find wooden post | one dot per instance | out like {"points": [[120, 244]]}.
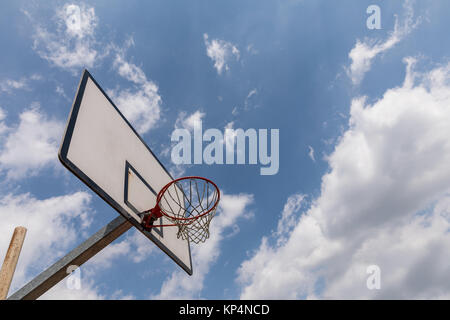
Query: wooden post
{"points": [[10, 262]]}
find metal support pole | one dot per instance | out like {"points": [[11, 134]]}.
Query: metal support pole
{"points": [[58, 271], [10, 262]]}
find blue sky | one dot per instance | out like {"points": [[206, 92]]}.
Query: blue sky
{"points": [[363, 119]]}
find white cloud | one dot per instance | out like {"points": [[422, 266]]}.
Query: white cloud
{"points": [[230, 135], [385, 201], [59, 90], [9, 85], [364, 52], [61, 291], [141, 108], [80, 21], [178, 170], [249, 96], [181, 286], [54, 226], [105, 258], [3, 127], [141, 248], [411, 255], [229, 125], [30, 146], [288, 218], [252, 93], [311, 153], [191, 121], [220, 52], [119, 295], [71, 45], [142, 105], [85, 289], [252, 50], [129, 71], [135, 247]]}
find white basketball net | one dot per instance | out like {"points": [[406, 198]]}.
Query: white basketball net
{"points": [[191, 204]]}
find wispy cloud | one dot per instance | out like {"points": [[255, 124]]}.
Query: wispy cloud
{"points": [[364, 52], [220, 52], [70, 45], [252, 93], [10, 85], [289, 217], [252, 50], [59, 90], [142, 104], [311, 154]]}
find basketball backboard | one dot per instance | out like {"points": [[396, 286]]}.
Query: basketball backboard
{"points": [[103, 150]]}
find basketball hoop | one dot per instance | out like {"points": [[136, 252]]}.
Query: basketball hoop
{"points": [[189, 203]]}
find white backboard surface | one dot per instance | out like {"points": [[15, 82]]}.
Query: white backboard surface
{"points": [[102, 149]]}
